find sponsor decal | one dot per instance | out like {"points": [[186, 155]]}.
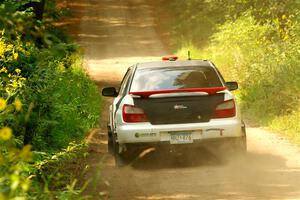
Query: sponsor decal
{"points": [[139, 135], [216, 129], [201, 131], [180, 107]]}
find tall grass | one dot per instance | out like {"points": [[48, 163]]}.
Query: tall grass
{"points": [[264, 58], [47, 106]]}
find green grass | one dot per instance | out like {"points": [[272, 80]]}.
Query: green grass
{"points": [[288, 125], [60, 105], [263, 101]]}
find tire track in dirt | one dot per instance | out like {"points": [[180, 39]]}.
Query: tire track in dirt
{"points": [[118, 33]]}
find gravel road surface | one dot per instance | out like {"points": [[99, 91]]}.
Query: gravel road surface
{"points": [[117, 33]]}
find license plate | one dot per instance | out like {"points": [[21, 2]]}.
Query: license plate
{"points": [[181, 137]]}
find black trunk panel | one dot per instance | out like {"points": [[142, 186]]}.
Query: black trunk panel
{"points": [[191, 109]]}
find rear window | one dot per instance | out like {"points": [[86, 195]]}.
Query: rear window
{"points": [[169, 78]]}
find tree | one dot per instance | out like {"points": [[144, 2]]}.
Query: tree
{"points": [[38, 8]]}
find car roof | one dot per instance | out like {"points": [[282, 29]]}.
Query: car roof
{"points": [[177, 63]]}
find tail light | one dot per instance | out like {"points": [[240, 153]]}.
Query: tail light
{"points": [[133, 114], [225, 109], [169, 58]]}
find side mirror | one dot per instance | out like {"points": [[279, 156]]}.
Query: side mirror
{"points": [[109, 92], [232, 85]]}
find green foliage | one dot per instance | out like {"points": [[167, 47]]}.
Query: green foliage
{"points": [[22, 24], [14, 169], [47, 100], [66, 99], [54, 176], [62, 103], [38, 175], [197, 20], [14, 161], [288, 125], [260, 50]]}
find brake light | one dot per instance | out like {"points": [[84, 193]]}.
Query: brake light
{"points": [[169, 58], [133, 114], [225, 109]]}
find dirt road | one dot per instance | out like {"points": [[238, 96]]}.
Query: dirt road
{"points": [[118, 33]]}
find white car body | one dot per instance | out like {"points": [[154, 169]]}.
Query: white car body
{"points": [[125, 133]]}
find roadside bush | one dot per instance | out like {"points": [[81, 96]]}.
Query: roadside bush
{"points": [[195, 21], [14, 167], [47, 105], [264, 59], [34, 175], [62, 103], [65, 99]]}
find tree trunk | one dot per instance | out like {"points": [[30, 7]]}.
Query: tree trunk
{"points": [[38, 8]]}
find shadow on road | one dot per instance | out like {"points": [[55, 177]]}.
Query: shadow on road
{"points": [[205, 176], [117, 24], [157, 160], [203, 157]]}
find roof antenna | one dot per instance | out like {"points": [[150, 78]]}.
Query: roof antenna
{"points": [[189, 55]]}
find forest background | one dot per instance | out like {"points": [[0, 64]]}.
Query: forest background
{"points": [[47, 103], [253, 42]]}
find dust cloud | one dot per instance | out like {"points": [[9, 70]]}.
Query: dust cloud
{"points": [[116, 34]]}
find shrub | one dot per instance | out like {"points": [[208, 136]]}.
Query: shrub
{"points": [[14, 167], [67, 101], [60, 101], [196, 21], [264, 59], [47, 104]]}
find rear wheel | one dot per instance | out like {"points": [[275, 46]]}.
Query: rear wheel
{"points": [[242, 142], [240, 146], [122, 158], [119, 157], [110, 145], [235, 148]]}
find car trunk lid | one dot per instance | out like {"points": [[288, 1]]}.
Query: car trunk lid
{"points": [[179, 106]]}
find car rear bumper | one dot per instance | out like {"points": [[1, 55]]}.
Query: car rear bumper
{"points": [[212, 144], [147, 133]]}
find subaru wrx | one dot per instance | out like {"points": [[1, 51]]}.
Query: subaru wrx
{"points": [[173, 103]]}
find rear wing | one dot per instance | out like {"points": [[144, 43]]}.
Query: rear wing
{"points": [[199, 91]]}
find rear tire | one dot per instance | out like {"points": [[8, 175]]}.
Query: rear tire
{"points": [[124, 158], [110, 144], [121, 159], [236, 148], [242, 142], [240, 146]]}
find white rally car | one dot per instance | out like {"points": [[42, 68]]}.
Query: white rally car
{"points": [[173, 103]]}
